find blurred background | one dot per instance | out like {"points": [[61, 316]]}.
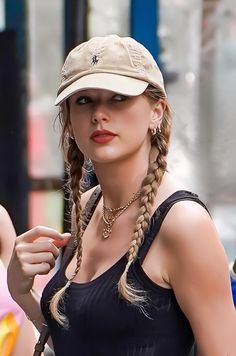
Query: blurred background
{"points": [[194, 42]]}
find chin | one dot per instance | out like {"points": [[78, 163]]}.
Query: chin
{"points": [[104, 159], [104, 155]]}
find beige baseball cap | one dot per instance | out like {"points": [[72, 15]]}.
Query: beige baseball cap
{"points": [[119, 64]]}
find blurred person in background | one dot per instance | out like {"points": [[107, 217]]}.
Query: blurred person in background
{"points": [[139, 276], [17, 335], [232, 268]]}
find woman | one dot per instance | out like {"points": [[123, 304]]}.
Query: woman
{"points": [[141, 278], [16, 332]]}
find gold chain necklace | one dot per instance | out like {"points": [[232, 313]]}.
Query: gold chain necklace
{"points": [[113, 214]]}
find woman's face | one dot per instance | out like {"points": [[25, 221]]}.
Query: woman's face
{"points": [[108, 126]]}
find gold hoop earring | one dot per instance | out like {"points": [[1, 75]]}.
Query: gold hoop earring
{"points": [[154, 131]]}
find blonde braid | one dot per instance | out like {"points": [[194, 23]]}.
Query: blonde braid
{"points": [[148, 193], [149, 188], [75, 159]]}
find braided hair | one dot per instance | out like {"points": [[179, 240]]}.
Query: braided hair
{"points": [[149, 187], [75, 161]]}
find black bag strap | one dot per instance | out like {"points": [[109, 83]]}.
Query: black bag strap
{"points": [[91, 205], [43, 338], [87, 214]]}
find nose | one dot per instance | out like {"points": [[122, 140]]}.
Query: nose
{"points": [[100, 114]]}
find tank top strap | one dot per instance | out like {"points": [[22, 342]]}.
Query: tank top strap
{"points": [[159, 216]]}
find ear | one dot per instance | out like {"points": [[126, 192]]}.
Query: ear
{"points": [[157, 113]]}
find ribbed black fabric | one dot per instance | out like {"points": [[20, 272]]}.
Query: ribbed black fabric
{"points": [[103, 324]]}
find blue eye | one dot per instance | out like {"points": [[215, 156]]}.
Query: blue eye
{"points": [[82, 100], [120, 97]]}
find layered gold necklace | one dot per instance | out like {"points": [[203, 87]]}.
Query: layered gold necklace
{"points": [[110, 215]]}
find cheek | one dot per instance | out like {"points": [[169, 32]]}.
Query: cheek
{"points": [[79, 124], [80, 130], [139, 120]]}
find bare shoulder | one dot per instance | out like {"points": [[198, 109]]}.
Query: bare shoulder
{"points": [[195, 254], [7, 235], [4, 216], [188, 223], [5, 222], [188, 227], [191, 243]]}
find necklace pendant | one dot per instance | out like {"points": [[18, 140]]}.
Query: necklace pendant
{"points": [[106, 232], [110, 215]]}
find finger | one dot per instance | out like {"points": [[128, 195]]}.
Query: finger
{"points": [[31, 270], [35, 258], [64, 242], [40, 231], [36, 247]]}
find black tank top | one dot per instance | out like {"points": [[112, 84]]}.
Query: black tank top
{"points": [[103, 324]]}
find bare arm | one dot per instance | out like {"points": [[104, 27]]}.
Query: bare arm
{"points": [[197, 269], [34, 256], [34, 253], [25, 340], [7, 236]]}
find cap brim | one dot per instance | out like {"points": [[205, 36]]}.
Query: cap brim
{"points": [[109, 81]]}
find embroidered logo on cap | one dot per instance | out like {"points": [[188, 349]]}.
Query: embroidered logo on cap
{"points": [[94, 60]]}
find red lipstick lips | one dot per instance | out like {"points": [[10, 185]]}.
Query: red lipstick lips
{"points": [[102, 136]]}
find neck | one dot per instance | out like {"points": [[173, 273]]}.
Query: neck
{"points": [[120, 181]]}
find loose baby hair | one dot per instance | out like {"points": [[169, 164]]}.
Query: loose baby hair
{"points": [[150, 184]]}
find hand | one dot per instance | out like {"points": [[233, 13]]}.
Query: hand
{"points": [[35, 253]]}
